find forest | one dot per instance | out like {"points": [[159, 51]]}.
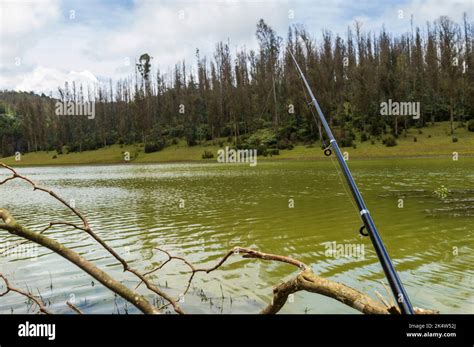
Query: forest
{"points": [[255, 98]]}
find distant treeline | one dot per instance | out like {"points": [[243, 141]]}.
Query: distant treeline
{"points": [[234, 96]]}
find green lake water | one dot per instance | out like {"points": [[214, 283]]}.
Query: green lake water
{"points": [[136, 208]]}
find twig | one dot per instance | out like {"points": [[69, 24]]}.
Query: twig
{"points": [[39, 302], [74, 307]]}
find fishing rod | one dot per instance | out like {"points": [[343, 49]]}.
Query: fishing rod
{"points": [[387, 265]]}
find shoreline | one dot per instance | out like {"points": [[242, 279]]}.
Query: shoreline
{"points": [[214, 161], [429, 143]]}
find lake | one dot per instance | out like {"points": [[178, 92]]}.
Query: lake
{"points": [[295, 208]]}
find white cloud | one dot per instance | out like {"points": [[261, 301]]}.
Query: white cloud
{"points": [[20, 16], [19, 23], [46, 80], [101, 40], [396, 17], [172, 31]]}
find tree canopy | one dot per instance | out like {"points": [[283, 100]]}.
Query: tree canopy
{"points": [[236, 96]]}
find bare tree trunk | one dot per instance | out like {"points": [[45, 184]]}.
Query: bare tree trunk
{"points": [[451, 117]]}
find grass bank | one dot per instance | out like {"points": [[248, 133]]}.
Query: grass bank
{"points": [[432, 141]]}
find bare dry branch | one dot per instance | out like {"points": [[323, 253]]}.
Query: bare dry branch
{"points": [[382, 299], [39, 302], [16, 229], [74, 307], [86, 227]]}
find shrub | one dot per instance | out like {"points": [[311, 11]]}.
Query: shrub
{"points": [[346, 142], [284, 145], [287, 132], [90, 144], [203, 133], [264, 137], [470, 125], [73, 147], [177, 131], [262, 150], [191, 136], [389, 141], [415, 139], [364, 137], [455, 139], [227, 130], [376, 129], [442, 192], [207, 155], [151, 147], [273, 151]]}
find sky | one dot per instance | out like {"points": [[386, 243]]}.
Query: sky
{"points": [[44, 43]]}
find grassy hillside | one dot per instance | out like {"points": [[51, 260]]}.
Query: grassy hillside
{"points": [[432, 141]]}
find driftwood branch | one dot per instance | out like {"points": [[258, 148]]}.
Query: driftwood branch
{"points": [[305, 280], [16, 229], [86, 228], [245, 252], [38, 301], [74, 307], [308, 281]]}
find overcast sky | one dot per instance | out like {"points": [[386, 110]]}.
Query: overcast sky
{"points": [[46, 42]]}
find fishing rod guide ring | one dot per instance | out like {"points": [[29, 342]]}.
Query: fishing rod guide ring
{"points": [[361, 231], [327, 150]]}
